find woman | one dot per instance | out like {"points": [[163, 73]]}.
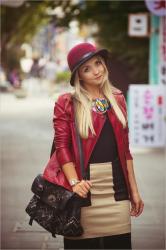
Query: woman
{"points": [[101, 117]]}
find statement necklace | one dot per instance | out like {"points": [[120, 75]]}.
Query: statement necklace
{"points": [[100, 105]]}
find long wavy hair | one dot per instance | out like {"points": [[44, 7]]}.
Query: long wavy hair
{"points": [[84, 103]]}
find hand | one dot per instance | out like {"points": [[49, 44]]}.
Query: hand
{"points": [[137, 205], [82, 188]]}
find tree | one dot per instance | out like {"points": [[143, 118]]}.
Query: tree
{"points": [[20, 24], [111, 18]]}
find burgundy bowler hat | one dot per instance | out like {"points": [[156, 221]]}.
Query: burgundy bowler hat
{"points": [[81, 53]]}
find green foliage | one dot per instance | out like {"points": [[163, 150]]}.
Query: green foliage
{"points": [[19, 25], [132, 51], [111, 18], [63, 76]]}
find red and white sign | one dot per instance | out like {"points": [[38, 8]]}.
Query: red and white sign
{"points": [[147, 114], [157, 7], [162, 51]]}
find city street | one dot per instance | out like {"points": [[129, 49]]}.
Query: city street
{"points": [[26, 138]]}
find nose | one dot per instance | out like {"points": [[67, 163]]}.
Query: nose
{"points": [[95, 71]]}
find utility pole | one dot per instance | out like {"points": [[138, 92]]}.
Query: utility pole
{"points": [[157, 48]]}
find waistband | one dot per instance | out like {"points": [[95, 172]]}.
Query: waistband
{"points": [[116, 160]]}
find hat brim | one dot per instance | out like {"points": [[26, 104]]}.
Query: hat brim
{"points": [[102, 52]]}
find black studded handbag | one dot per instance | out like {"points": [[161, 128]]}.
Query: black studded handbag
{"points": [[55, 208]]}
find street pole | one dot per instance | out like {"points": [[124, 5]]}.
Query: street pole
{"points": [[154, 49]]}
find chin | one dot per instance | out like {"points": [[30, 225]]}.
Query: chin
{"points": [[99, 82]]}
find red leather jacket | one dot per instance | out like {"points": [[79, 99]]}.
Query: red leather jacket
{"points": [[66, 143]]}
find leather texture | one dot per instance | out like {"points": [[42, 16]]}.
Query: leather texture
{"points": [[66, 143], [55, 208], [52, 194]]}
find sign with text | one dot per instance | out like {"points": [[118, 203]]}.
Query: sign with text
{"points": [[147, 115], [138, 25]]}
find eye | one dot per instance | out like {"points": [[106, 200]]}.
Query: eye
{"points": [[86, 69], [98, 62]]}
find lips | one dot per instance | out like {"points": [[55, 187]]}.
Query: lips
{"points": [[98, 77]]}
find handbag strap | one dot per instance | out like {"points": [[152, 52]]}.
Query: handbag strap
{"points": [[79, 143]]}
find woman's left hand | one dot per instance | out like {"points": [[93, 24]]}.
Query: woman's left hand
{"points": [[137, 205]]}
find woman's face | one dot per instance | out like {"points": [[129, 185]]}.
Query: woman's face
{"points": [[92, 72]]}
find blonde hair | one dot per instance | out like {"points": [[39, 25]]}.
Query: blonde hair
{"points": [[83, 104]]}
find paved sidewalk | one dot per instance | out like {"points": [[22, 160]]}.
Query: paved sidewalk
{"points": [[26, 137]]}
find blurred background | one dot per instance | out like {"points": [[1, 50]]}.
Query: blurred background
{"points": [[35, 39]]}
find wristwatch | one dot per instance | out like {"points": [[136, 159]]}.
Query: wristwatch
{"points": [[73, 182]]}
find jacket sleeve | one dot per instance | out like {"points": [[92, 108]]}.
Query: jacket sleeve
{"points": [[62, 132], [126, 131]]}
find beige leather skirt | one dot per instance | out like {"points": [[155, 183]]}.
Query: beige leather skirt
{"points": [[106, 216]]}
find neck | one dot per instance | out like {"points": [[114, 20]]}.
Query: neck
{"points": [[94, 92]]}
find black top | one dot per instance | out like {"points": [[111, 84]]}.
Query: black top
{"points": [[105, 149]]}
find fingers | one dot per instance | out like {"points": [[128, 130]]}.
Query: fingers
{"points": [[82, 188], [85, 185], [137, 208], [140, 210]]}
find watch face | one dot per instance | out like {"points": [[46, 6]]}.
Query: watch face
{"points": [[73, 182]]}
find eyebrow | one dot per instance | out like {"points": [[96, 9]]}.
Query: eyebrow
{"points": [[89, 65]]}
